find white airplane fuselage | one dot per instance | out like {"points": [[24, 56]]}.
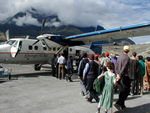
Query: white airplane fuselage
{"points": [[22, 51], [27, 51]]}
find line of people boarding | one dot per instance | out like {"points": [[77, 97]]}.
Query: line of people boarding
{"points": [[123, 72]]}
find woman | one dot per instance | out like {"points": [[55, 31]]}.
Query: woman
{"points": [[106, 99], [147, 74]]}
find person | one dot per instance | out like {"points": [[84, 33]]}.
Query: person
{"points": [[121, 69], [57, 64], [96, 59], [61, 67], [106, 99], [4, 72], [53, 65], [113, 58], [133, 72], [81, 67], [90, 73], [69, 68], [147, 74], [104, 61], [141, 73]]}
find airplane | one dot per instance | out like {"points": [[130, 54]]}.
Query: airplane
{"points": [[33, 51], [41, 50]]}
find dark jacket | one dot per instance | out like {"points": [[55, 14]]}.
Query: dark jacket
{"points": [[82, 66], [122, 65], [133, 68], [92, 70]]}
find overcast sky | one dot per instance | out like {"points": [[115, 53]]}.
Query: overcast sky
{"points": [[108, 13]]}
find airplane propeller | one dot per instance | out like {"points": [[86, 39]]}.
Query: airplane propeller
{"points": [[42, 31], [7, 34], [43, 25]]}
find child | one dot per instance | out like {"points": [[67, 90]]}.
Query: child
{"points": [[106, 99]]}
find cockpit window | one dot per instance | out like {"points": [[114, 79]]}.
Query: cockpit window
{"points": [[10, 42]]}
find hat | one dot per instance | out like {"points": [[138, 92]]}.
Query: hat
{"points": [[126, 48], [107, 53]]}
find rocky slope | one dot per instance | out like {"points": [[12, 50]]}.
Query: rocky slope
{"points": [[140, 49]]}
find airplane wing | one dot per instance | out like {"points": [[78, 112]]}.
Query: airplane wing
{"points": [[110, 35]]}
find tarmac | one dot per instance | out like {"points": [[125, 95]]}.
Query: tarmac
{"points": [[32, 91]]}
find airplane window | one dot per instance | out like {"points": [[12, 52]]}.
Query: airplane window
{"points": [[10, 42], [54, 49], [30, 47], [15, 43], [49, 49], [58, 49], [36, 47], [44, 48]]}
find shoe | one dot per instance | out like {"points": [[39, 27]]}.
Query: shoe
{"points": [[82, 93], [118, 107], [89, 100], [131, 94], [70, 80], [86, 96]]}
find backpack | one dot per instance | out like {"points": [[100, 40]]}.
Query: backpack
{"points": [[98, 84]]}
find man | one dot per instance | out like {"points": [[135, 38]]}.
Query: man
{"points": [[133, 72], [61, 67], [91, 73], [53, 65], [80, 73], [121, 69]]}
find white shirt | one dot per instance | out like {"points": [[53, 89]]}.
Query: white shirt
{"points": [[61, 60]]}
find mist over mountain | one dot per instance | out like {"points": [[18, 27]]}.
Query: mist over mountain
{"points": [[29, 22]]}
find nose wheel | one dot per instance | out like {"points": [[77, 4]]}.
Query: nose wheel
{"points": [[37, 67]]}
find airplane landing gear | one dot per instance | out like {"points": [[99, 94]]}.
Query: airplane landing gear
{"points": [[37, 67]]}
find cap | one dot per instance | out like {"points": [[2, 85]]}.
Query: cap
{"points": [[126, 48], [107, 53]]}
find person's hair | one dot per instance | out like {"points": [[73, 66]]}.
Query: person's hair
{"points": [[84, 55], [148, 59], [140, 57], [103, 54], [91, 57], [126, 51], [55, 55], [134, 54], [110, 65], [96, 57]]}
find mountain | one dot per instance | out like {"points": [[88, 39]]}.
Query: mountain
{"points": [[29, 23]]}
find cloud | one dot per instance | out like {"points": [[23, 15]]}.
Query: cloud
{"points": [[141, 39], [26, 20], [110, 14]]}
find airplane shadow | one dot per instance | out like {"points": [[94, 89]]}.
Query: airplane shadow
{"points": [[36, 74], [135, 96], [138, 109]]}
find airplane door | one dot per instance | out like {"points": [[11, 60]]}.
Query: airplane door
{"points": [[16, 48]]}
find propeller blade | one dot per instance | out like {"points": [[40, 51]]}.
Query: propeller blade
{"points": [[43, 25], [7, 34], [27, 37]]}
